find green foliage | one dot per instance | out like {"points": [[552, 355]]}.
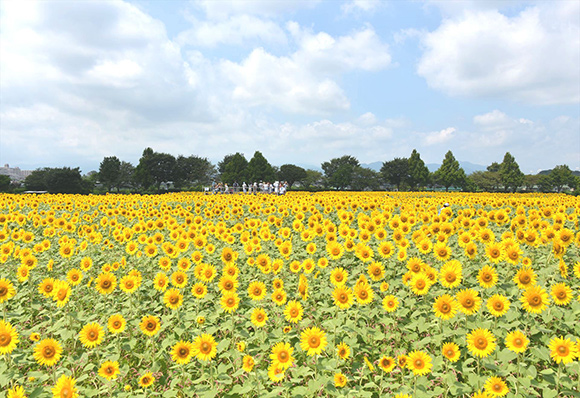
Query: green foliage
{"points": [[155, 168], [57, 180], [510, 174], [233, 168], [488, 181], [4, 183], [109, 171], [418, 174], [396, 171], [192, 170], [365, 179], [259, 169], [450, 173], [339, 171], [561, 176], [291, 173]]}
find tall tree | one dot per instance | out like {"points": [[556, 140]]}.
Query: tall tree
{"points": [[291, 173], [259, 169], [418, 173], [162, 168], [233, 168], [450, 173], [126, 175], [192, 170], [364, 179], [4, 183], [143, 171], [57, 180], [314, 179], [109, 170], [494, 167], [560, 176], [339, 171], [510, 173], [487, 181], [396, 171]]}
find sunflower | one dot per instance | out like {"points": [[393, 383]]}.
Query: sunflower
{"points": [[340, 380], [47, 352], [313, 340], [387, 363], [445, 307], [257, 290], [227, 283], [7, 290], [535, 299], [23, 273], [259, 317], [386, 249], [343, 297], [364, 294], [204, 347], [525, 277], [420, 284], [494, 252], [513, 254], [106, 283], [16, 392], [128, 284], [334, 250], [173, 299], [419, 362], [481, 394], [199, 290], [338, 276], [8, 338], [230, 302], [279, 297], [150, 325], [480, 342], [450, 274], [160, 282], [487, 276], [275, 373], [441, 251], [116, 323], [496, 387], [516, 341], [562, 294], [91, 335], [390, 303], [34, 337], [182, 352], [281, 355], [146, 380], [562, 350], [470, 250], [248, 363], [74, 276], [109, 370], [61, 293], [293, 311], [469, 301], [65, 387], [498, 305], [343, 350], [451, 351]]}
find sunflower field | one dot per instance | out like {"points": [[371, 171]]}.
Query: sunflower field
{"points": [[302, 295]]}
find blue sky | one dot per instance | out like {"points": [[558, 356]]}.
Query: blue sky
{"points": [[300, 81]]}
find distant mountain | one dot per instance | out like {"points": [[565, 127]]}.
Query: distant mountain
{"points": [[468, 167]]}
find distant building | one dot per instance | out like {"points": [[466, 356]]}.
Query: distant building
{"points": [[15, 173]]}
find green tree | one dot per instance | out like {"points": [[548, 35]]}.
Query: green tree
{"points": [[418, 173], [450, 173], [109, 170], [192, 170], [259, 169], [143, 171], [494, 167], [339, 171], [364, 179], [531, 182], [162, 168], [561, 176], [233, 168], [126, 175], [510, 174], [4, 183], [314, 179], [291, 173], [487, 181], [396, 171], [36, 181]]}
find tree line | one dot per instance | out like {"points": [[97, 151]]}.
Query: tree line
{"points": [[160, 172]]}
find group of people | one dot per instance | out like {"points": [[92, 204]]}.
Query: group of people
{"points": [[276, 187]]}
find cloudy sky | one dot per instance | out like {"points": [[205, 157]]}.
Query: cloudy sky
{"points": [[300, 81]]}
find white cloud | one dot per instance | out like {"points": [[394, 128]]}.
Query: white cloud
{"points": [[224, 8], [235, 30], [439, 137], [303, 82], [533, 57], [360, 5]]}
